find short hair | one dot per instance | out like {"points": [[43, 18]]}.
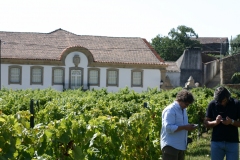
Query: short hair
{"points": [[220, 94], [185, 96]]}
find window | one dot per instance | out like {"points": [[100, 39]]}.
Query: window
{"points": [[112, 77], [94, 76], [36, 75], [57, 75], [76, 77], [137, 78], [15, 75]]}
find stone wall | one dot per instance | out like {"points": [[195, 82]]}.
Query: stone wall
{"points": [[234, 86], [210, 70], [228, 66]]}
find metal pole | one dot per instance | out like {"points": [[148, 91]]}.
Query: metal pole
{"points": [[32, 114], [0, 64], [145, 104]]}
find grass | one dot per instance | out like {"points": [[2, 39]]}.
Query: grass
{"points": [[199, 149]]}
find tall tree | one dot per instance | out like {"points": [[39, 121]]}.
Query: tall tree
{"points": [[171, 47], [235, 45]]}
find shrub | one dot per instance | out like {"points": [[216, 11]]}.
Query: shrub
{"points": [[236, 78]]}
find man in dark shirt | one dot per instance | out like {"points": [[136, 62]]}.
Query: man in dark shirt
{"points": [[222, 115]]}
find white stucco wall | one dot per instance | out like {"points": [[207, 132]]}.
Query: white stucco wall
{"points": [[151, 77], [47, 78]]}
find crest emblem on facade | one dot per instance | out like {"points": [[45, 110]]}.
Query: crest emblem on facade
{"points": [[76, 60]]}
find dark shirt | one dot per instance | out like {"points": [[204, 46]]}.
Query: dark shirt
{"points": [[221, 132]]}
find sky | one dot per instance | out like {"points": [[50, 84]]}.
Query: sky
{"points": [[122, 18]]}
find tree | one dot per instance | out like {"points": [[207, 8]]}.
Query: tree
{"points": [[171, 47], [235, 45]]}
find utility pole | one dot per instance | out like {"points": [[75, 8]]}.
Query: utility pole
{"points": [[0, 64]]}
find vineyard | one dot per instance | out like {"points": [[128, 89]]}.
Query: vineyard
{"points": [[96, 124]]}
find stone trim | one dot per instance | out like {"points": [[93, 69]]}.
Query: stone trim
{"points": [[83, 50], [136, 70], [9, 74], [70, 77], [90, 64], [63, 78], [117, 81], [31, 74], [96, 69]]}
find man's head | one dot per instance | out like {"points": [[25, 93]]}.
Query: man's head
{"points": [[221, 95], [184, 98]]}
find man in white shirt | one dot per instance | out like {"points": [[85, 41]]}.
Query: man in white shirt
{"points": [[175, 127]]}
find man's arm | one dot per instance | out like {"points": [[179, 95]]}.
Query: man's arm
{"points": [[236, 123], [209, 123], [188, 127]]}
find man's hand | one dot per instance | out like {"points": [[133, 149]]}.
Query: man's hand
{"points": [[209, 123], [227, 121], [190, 127], [218, 119]]}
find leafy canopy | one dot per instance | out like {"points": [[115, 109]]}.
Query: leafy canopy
{"points": [[235, 45], [171, 47]]}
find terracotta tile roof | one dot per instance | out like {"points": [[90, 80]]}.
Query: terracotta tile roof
{"points": [[49, 46]]}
